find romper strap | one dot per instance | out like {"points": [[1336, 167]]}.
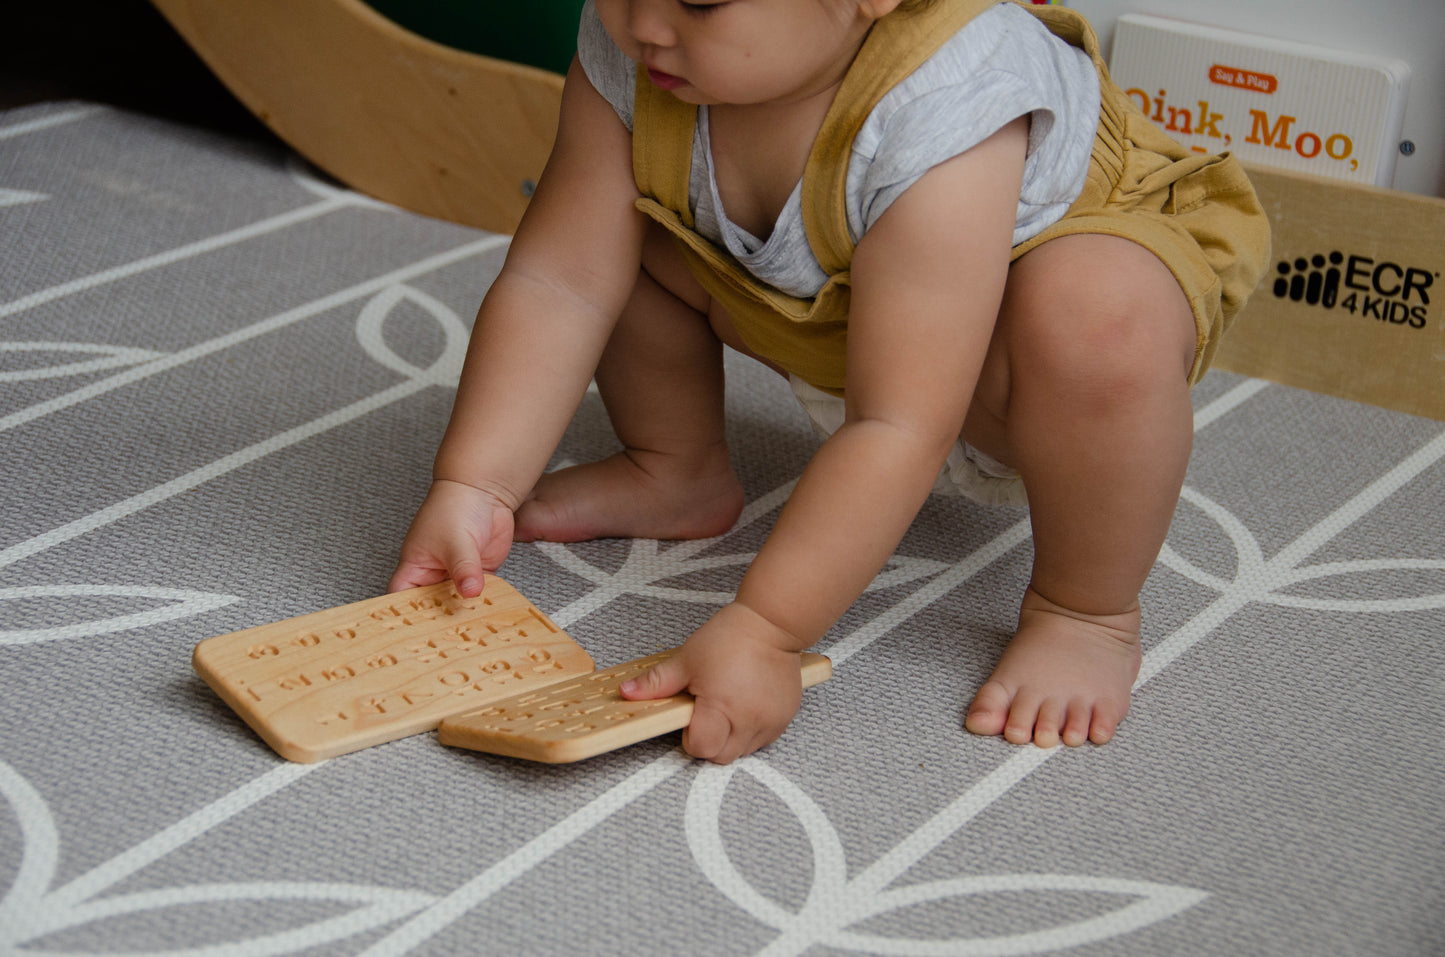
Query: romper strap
{"points": [[662, 132], [896, 46]]}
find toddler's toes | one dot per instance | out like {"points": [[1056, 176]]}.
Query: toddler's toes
{"points": [[1050, 721], [1105, 723], [1023, 716], [1076, 728], [989, 711]]}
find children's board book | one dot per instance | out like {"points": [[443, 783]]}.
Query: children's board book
{"points": [[1270, 102]]}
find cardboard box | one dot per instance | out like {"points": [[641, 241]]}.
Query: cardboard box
{"points": [[1271, 102], [1354, 303]]}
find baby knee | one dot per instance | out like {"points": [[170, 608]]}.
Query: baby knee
{"points": [[1107, 340], [1096, 309]]}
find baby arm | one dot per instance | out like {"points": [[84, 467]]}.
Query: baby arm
{"points": [[927, 282], [537, 339]]}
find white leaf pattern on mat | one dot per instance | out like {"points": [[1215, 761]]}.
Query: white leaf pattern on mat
{"points": [[1360, 568], [370, 332], [31, 910], [374, 906], [39, 853], [179, 603], [1148, 903], [105, 357], [647, 564], [703, 816], [648, 567], [19, 197], [834, 904], [1266, 581]]}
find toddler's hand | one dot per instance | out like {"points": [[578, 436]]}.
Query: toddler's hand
{"points": [[747, 684], [458, 533]]}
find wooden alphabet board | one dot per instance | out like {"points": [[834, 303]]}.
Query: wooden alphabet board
{"points": [[370, 672], [572, 720]]}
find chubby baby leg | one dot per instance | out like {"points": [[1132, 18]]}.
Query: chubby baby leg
{"points": [[1085, 392], [661, 379]]}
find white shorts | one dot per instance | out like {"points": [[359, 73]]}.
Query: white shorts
{"points": [[968, 472]]}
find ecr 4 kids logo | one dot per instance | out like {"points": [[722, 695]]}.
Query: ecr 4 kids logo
{"points": [[1383, 290]]}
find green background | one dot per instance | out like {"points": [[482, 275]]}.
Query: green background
{"points": [[541, 33]]}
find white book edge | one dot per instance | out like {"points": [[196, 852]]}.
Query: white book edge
{"points": [[1397, 71]]}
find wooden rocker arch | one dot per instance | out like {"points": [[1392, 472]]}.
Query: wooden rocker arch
{"points": [[411, 122]]}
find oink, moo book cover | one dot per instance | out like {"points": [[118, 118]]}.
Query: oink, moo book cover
{"points": [[1270, 102]]}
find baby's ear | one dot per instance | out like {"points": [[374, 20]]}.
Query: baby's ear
{"points": [[877, 9]]}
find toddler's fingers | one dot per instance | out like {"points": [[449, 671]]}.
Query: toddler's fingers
{"points": [[660, 681], [468, 579], [414, 576], [710, 736], [465, 568]]}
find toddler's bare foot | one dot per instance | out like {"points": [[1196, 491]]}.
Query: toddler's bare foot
{"points": [[1064, 677], [633, 495]]}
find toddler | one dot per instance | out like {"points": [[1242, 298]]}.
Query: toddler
{"points": [[979, 266]]}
